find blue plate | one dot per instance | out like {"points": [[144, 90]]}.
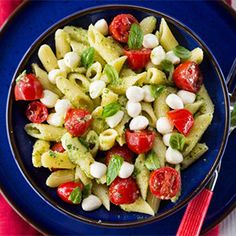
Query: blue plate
{"points": [[50, 220]]}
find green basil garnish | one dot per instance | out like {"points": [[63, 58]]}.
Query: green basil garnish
{"points": [[113, 168], [156, 90], [233, 117], [168, 68], [111, 74], [84, 142], [110, 109], [177, 141], [152, 161], [87, 57], [87, 190], [76, 195], [135, 39], [182, 52]]}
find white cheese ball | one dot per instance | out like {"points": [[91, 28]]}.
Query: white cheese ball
{"points": [[49, 98], [166, 139], [147, 93], [158, 55], [150, 41], [91, 203], [126, 170], [55, 119], [114, 120], [72, 59], [164, 125], [133, 108], [96, 87], [138, 123], [98, 169], [170, 56], [173, 156], [53, 74], [135, 94], [62, 106], [174, 101], [102, 26], [186, 96]]}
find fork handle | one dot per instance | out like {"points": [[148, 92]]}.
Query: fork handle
{"points": [[195, 213]]}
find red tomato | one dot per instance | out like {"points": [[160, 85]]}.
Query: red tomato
{"points": [[165, 182], [121, 151], [64, 190], [138, 59], [57, 147], [37, 112], [120, 26], [77, 121], [123, 191], [182, 119], [28, 88], [188, 76], [139, 141]]}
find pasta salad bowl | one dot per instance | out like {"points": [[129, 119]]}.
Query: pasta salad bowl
{"points": [[193, 179]]}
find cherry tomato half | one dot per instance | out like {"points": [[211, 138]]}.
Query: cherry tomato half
{"points": [[120, 26], [57, 147], [28, 88], [140, 141], [165, 182], [182, 119], [138, 59], [37, 112], [64, 190], [123, 191], [77, 121], [123, 151], [188, 76]]}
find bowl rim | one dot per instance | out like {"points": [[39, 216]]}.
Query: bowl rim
{"points": [[49, 31]]}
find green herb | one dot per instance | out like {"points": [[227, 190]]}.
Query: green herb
{"points": [[52, 154], [152, 161], [233, 116], [87, 190], [111, 74], [69, 146], [76, 195], [87, 57], [168, 68], [182, 52], [177, 141], [135, 39], [156, 90], [84, 142], [110, 109], [136, 172], [113, 168]]}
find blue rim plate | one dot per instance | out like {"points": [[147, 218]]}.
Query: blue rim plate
{"points": [[69, 8]]}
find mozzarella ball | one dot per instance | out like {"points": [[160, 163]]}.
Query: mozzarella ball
{"points": [[98, 169], [72, 59], [126, 170], [170, 56], [91, 203], [166, 139], [164, 125], [114, 120], [49, 98], [186, 96], [173, 156], [96, 87], [102, 26], [133, 108], [174, 101], [150, 41], [158, 55], [53, 74], [62, 106], [55, 119], [138, 123], [147, 93], [135, 94]]}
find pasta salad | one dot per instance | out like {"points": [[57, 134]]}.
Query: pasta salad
{"points": [[117, 112]]}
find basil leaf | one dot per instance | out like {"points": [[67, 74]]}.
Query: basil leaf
{"points": [[76, 196], [156, 90], [83, 142], [168, 68], [135, 39], [182, 52], [152, 161], [177, 141], [111, 74], [87, 190], [233, 116], [113, 168], [110, 109], [87, 57]]}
